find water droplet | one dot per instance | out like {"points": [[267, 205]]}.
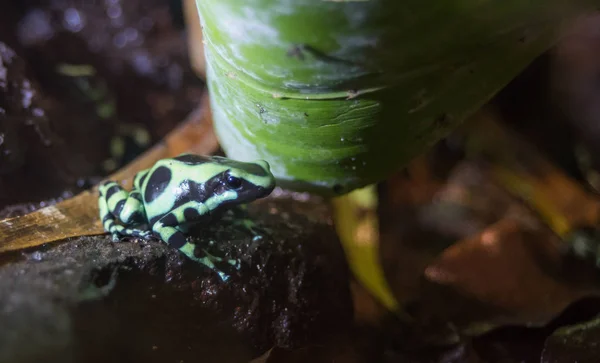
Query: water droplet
{"points": [[35, 27], [142, 63], [26, 94], [37, 256], [342, 139], [73, 20], [120, 40], [131, 34], [114, 11], [38, 112]]}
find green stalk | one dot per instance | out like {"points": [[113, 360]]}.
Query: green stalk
{"points": [[336, 95]]}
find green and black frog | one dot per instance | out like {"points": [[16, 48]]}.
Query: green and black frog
{"points": [[177, 193]]}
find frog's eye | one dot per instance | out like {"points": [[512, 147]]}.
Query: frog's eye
{"points": [[233, 182]]}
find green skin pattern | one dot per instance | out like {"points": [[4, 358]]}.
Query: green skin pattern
{"points": [[179, 192]]}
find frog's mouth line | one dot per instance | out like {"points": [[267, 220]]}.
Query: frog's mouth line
{"points": [[265, 191]]}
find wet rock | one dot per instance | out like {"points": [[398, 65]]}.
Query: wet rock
{"points": [[92, 300], [576, 343]]}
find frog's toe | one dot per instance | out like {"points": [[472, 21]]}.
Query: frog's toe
{"points": [[251, 227], [145, 234], [236, 263], [116, 231], [137, 233], [208, 260], [224, 277]]}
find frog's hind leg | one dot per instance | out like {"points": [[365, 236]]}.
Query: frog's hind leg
{"points": [[108, 220], [113, 202], [127, 207], [116, 230]]}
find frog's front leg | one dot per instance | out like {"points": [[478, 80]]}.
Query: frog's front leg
{"points": [[167, 227], [175, 238], [128, 208]]}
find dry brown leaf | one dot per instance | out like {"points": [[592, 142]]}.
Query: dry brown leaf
{"points": [[509, 274], [560, 201], [195, 38], [474, 255], [414, 231]]}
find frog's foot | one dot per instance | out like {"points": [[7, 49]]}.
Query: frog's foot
{"points": [[250, 226], [113, 197], [235, 263], [209, 260], [115, 201], [119, 231]]}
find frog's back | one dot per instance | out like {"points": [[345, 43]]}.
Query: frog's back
{"points": [[181, 164], [194, 159], [176, 179], [169, 163], [190, 177]]}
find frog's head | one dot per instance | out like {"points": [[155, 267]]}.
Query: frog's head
{"points": [[249, 181]]}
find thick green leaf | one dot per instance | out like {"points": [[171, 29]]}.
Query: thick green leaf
{"points": [[339, 94]]}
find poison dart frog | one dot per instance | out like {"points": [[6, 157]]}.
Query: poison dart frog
{"points": [[179, 192]]}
